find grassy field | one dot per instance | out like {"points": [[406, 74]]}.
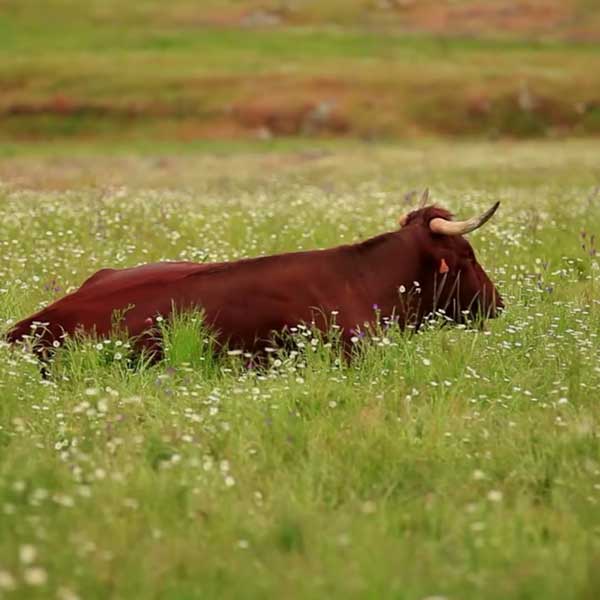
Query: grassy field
{"points": [[107, 70], [450, 464]]}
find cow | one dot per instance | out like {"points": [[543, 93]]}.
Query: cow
{"points": [[423, 266]]}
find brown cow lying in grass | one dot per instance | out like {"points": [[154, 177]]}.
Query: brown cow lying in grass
{"points": [[425, 265]]}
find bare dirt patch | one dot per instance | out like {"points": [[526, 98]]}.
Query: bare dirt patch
{"points": [[475, 18], [566, 19]]}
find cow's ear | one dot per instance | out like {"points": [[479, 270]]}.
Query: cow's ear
{"points": [[443, 267]]}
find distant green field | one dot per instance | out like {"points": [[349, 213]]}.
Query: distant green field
{"points": [[105, 71], [450, 464]]}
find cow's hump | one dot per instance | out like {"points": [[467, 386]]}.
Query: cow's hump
{"points": [[98, 276]]}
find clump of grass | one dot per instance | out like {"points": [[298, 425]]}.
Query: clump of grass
{"points": [[187, 343], [180, 342], [81, 357]]}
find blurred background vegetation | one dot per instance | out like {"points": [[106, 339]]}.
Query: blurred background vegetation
{"points": [[183, 70]]}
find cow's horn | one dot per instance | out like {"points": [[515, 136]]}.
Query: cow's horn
{"points": [[446, 227]]}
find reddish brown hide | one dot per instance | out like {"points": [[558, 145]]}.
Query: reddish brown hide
{"points": [[407, 274]]}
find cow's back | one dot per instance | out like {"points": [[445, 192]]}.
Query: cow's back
{"points": [[93, 305], [242, 300]]}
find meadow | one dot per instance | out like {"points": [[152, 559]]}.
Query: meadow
{"points": [[455, 463]]}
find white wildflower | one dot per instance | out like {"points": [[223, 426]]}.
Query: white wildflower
{"points": [[495, 496], [35, 576], [27, 554]]}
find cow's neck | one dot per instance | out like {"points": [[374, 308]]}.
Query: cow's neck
{"points": [[389, 266]]}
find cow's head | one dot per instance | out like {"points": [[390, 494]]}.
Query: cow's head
{"points": [[460, 285]]}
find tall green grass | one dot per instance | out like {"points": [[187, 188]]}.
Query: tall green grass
{"points": [[187, 342]]}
